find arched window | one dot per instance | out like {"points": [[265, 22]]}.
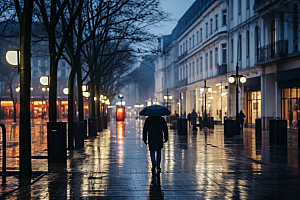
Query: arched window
{"points": [[257, 43]]}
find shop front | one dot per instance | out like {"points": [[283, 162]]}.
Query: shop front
{"points": [[7, 109], [289, 83], [252, 90], [215, 104]]}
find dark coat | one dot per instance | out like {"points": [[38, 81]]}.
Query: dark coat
{"points": [[155, 129], [241, 117]]}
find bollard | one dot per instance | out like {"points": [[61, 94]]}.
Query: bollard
{"points": [[272, 131], [85, 128], [57, 141], [182, 125], [258, 127], [92, 127], [3, 154], [229, 128], [211, 122], [79, 134], [281, 132]]}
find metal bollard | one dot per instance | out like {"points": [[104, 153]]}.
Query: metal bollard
{"points": [[3, 154], [258, 127], [182, 125], [281, 132], [272, 131]]}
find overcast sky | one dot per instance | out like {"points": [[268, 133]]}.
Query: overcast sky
{"points": [[177, 8]]}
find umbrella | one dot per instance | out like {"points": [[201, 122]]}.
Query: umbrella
{"points": [[155, 110]]}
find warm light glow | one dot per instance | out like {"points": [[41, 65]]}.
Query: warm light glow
{"points": [[231, 79], [11, 57], [243, 79], [200, 99], [95, 98], [201, 90], [170, 97], [101, 96], [43, 89], [165, 97], [86, 94], [102, 101], [84, 88], [18, 89], [218, 84], [104, 97], [209, 89], [44, 80], [31, 88], [66, 90]]}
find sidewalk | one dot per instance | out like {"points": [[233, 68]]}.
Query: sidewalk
{"points": [[202, 165]]}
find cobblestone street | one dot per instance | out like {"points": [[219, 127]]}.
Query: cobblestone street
{"points": [[116, 165]]}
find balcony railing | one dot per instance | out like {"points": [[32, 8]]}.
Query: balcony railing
{"points": [[273, 50], [184, 54]]}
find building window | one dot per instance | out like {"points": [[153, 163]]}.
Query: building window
{"points": [[186, 71], [186, 45], [200, 34], [290, 106], [183, 47], [180, 49], [193, 40], [224, 53], [211, 59], [190, 44], [211, 26], [197, 37], [232, 50], [216, 56], [35, 72], [206, 61], [240, 47], [217, 21], [206, 31], [295, 27], [62, 63], [201, 64], [247, 4], [181, 74], [248, 44], [193, 68], [231, 9], [239, 7], [197, 63], [224, 19], [62, 73]]}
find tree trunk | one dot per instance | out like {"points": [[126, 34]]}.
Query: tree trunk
{"points": [[97, 107], [53, 90], [71, 108], [80, 96], [25, 21], [92, 102]]}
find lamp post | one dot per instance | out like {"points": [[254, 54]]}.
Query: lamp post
{"points": [[120, 96], [167, 97], [237, 78], [205, 90]]}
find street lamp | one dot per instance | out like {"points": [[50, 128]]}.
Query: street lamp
{"points": [[205, 90], [167, 97], [237, 78], [13, 58], [120, 96]]}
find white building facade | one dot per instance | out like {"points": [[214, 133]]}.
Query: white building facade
{"points": [[261, 37]]}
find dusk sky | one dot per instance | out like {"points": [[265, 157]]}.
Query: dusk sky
{"points": [[177, 8]]}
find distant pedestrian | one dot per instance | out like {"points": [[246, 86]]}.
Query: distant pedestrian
{"points": [[241, 120], [189, 118], [193, 119], [156, 131]]}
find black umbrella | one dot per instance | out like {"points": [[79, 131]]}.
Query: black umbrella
{"points": [[155, 110]]}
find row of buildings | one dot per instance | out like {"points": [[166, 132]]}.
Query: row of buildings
{"points": [[211, 38]]}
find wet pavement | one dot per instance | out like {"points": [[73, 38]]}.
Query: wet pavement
{"points": [[202, 165]]}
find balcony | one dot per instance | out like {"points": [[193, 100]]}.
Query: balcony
{"points": [[261, 5], [222, 69], [182, 83], [184, 54], [272, 51]]}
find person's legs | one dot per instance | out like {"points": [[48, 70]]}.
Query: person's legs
{"points": [[158, 158], [152, 155]]}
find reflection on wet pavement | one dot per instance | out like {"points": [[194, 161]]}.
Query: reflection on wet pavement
{"points": [[201, 165]]}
